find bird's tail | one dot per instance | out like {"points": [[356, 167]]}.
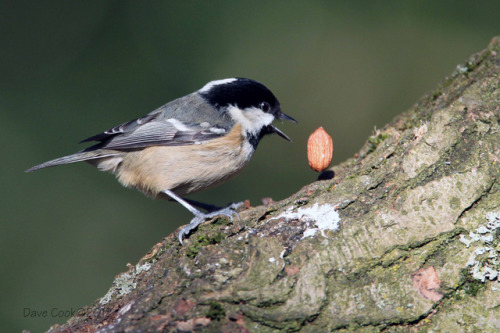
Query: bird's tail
{"points": [[77, 157]]}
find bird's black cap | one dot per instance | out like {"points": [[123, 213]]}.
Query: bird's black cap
{"points": [[240, 92]]}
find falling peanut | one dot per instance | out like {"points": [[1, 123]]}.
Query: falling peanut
{"points": [[319, 150]]}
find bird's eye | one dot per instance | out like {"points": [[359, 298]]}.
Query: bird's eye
{"points": [[264, 106]]}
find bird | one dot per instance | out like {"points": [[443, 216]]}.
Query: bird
{"points": [[190, 144]]}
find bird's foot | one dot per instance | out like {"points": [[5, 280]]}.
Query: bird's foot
{"points": [[200, 217]]}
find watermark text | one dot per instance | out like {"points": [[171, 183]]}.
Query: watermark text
{"points": [[61, 313]]}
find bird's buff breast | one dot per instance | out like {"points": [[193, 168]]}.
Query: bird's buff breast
{"points": [[185, 169]]}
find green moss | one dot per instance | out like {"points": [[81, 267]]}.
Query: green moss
{"points": [[203, 240], [375, 140], [470, 285], [438, 92], [192, 251], [216, 311], [468, 320], [454, 202], [221, 221]]}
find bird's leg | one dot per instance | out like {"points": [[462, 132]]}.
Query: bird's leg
{"points": [[208, 207], [200, 217], [211, 208]]}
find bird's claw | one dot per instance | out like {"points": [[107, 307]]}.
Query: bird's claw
{"points": [[193, 224], [198, 219]]}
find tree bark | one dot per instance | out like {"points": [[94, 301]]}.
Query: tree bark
{"points": [[404, 237]]}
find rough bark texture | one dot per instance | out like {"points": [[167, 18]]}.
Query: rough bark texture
{"points": [[404, 237]]}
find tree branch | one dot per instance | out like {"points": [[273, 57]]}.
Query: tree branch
{"points": [[404, 236]]}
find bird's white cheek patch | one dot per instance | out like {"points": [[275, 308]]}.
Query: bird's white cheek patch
{"points": [[251, 119]]}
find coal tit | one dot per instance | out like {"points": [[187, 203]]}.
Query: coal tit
{"points": [[190, 144]]}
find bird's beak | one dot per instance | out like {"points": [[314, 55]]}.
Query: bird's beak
{"points": [[283, 116], [276, 130]]}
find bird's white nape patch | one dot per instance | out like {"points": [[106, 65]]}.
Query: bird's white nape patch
{"points": [[251, 119], [211, 84]]}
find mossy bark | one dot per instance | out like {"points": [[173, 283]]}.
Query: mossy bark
{"points": [[417, 246]]}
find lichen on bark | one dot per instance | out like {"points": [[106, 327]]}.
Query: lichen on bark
{"points": [[415, 247]]}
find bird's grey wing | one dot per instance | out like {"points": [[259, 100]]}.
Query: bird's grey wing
{"points": [[157, 133], [123, 128], [177, 109], [184, 121]]}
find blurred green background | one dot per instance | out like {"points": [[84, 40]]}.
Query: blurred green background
{"points": [[72, 69]]}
